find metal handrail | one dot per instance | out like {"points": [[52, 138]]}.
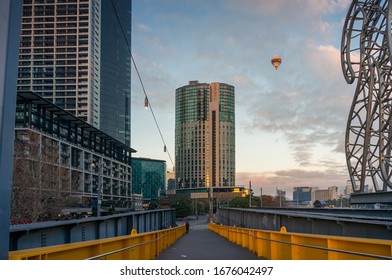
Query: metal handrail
{"points": [[129, 247], [318, 247]]}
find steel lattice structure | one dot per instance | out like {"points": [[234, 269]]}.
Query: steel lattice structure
{"points": [[366, 57]]}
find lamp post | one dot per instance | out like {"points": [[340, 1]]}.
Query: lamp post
{"points": [[250, 194], [131, 188], [280, 199], [210, 200], [261, 197], [99, 190], [279, 193]]}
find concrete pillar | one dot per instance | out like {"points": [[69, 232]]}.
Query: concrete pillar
{"points": [[10, 18]]}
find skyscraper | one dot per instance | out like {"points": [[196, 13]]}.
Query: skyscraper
{"points": [[74, 53], [205, 135]]}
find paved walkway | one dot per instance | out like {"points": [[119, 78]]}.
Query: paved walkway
{"points": [[203, 244]]}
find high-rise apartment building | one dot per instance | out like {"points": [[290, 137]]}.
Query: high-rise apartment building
{"points": [[205, 135], [74, 53]]}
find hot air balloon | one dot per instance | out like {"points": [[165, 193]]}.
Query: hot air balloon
{"points": [[276, 61]]}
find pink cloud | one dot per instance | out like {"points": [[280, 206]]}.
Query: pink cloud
{"points": [[288, 179]]}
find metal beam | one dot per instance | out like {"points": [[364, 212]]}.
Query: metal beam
{"points": [[10, 18], [371, 198], [361, 224], [27, 236]]}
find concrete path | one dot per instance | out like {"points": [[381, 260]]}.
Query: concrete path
{"points": [[203, 244]]}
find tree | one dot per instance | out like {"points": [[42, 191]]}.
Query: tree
{"points": [[38, 193], [199, 207], [183, 207], [270, 201], [255, 201], [239, 202]]}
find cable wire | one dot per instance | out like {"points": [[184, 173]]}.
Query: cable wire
{"points": [[141, 82]]}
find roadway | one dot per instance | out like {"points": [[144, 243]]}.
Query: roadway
{"points": [[203, 244]]}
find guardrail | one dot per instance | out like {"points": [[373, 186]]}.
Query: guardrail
{"points": [[348, 223], [135, 246], [42, 234], [281, 245]]}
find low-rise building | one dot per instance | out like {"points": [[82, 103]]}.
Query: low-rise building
{"points": [[56, 150], [326, 194], [149, 178]]}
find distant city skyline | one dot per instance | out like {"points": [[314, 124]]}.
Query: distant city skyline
{"points": [[290, 122]]}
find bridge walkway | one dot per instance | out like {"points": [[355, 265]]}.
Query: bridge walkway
{"points": [[203, 244]]}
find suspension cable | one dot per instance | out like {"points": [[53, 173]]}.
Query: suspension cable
{"points": [[141, 82]]}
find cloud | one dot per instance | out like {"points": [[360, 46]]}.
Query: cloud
{"points": [[288, 179], [305, 102], [309, 109], [143, 27], [291, 8]]}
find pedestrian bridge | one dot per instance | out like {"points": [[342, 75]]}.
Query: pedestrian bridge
{"points": [[214, 241]]}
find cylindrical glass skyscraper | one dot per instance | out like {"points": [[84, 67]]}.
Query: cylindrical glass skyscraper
{"points": [[205, 135]]}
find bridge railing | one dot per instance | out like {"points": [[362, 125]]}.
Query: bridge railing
{"points": [[135, 246], [281, 245]]}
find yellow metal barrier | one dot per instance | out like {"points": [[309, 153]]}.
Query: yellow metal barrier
{"points": [[135, 246], [282, 245]]}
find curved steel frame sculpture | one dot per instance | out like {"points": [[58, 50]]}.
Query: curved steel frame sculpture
{"points": [[366, 57]]}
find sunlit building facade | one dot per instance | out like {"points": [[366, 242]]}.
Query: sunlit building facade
{"points": [[326, 194], [74, 53], [205, 135]]}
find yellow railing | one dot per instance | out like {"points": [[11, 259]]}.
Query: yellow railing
{"points": [[135, 246], [281, 245]]}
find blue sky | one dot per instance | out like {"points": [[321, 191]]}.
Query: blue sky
{"points": [[290, 122]]}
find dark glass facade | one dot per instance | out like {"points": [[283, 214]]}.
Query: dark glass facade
{"points": [[115, 71], [148, 177], [302, 194]]}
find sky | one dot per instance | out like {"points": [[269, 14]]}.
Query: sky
{"points": [[290, 122]]}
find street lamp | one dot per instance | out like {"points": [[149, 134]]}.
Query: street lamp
{"points": [[211, 206], [250, 194], [261, 197], [279, 193], [131, 189]]}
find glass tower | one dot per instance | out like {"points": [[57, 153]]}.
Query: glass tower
{"points": [[74, 53], [148, 177], [205, 135]]}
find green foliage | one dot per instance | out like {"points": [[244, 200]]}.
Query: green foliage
{"points": [[340, 202], [183, 207], [239, 202], [202, 208], [243, 202], [255, 201], [271, 201]]}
